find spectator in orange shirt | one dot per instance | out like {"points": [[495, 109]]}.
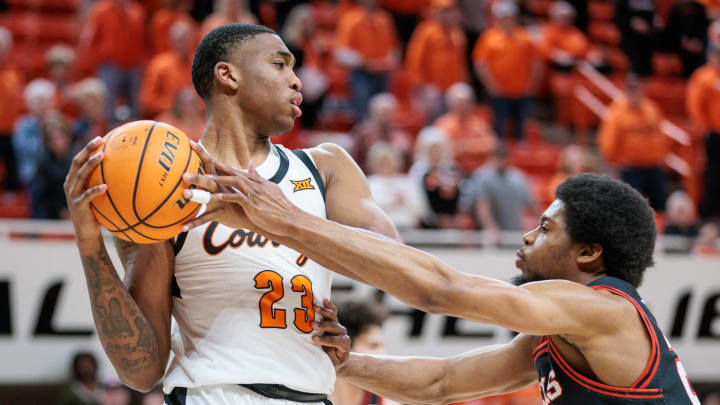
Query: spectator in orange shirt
{"points": [[573, 161], [470, 135], [563, 44], [630, 139], [186, 113], [163, 20], [506, 62], [168, 72], [10, 105], [703, 105], [366, 42], [114, 38], [227, 12], [436, 57]]}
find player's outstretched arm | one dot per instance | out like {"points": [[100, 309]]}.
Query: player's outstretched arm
{"points": [[418, 278], [486, 371], [134, 333]]}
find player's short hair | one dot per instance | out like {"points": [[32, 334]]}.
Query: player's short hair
{"points": [[214, 48], [357, 316], [602, 210]]}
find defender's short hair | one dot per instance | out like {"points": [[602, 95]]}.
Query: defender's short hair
{"points": [[214, 48], [602, 210]]}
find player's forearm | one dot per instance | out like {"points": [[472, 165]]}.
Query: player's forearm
{"points": [[409, 380], [410, 275], [125, 333]]}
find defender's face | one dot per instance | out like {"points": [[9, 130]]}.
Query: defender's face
{"points": [[269, 89], [547, 253]]}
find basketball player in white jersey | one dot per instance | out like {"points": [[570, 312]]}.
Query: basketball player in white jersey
{"points": [[243, 304]]}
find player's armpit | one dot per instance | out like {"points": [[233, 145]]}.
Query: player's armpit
{"points": [[490, 370], [347, 195]]}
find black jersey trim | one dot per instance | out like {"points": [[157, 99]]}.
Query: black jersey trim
{"points": [[178, 396], [303, 156], [282, 170], [179, 242]]}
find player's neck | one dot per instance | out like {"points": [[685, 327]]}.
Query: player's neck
{"points": [[233, 143]]}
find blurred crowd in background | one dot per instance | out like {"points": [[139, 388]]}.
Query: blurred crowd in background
{"points": [[464, 114]]}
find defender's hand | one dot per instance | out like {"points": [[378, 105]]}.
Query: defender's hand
{"points": [[77, 194], [248, 199], [334, 339]]}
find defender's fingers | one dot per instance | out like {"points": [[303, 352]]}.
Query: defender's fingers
{"points": [[326, 313], [338, 342], [199, 196], [205, 158], [238, 198], [239, 183], [329, 305], [83, 174], [81, 158], [203, 181], [225, 169], [91, 193], [329, 327], [202, 219]]}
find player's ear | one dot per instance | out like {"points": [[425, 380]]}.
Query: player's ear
{"points": [[589, 258], [227, 76]]}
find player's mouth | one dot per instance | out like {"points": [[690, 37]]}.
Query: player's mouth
{"points": [[295, 105]]}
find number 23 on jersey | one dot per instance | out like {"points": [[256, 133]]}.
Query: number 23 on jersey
{"points": [[276, 318]]}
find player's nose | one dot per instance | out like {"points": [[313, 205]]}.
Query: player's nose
{"points": [[528, 238], [295, 82]]}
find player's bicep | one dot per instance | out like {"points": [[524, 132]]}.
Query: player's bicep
{"points": [[148, 276], [348, 199], [491, 370]]}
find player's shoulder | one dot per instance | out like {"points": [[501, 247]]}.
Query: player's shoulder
{"points": [[329, 154]]}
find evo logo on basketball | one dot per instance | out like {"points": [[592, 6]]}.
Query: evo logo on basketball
{"points": [[169, 148]]}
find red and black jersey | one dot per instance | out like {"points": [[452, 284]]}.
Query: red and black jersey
{"points": [[663, 381]]}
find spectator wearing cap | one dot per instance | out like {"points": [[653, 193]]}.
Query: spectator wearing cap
{"points": [[703, 105], [686, 33], [227, 12], [470, 135], [630, 139], [366, 42], [113, 37], [506, 61], [60, 62], [436, 55], [10, 105], [379, 127], [563, 44], [163, 20], [27, 137], [498, 195], [168, 72]]}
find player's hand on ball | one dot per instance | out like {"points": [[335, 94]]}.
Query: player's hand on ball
{"points": [[77, 194], [231, 215], [334, 338]]}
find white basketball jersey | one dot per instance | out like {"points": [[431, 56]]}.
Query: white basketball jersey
{"points": [[243, 304]]}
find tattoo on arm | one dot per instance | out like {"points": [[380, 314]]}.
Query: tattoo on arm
{"points": [[126, 335]]}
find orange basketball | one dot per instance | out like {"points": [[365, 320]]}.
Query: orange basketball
{"points": [[143, 167]]}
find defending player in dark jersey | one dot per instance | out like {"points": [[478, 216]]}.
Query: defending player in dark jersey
{"points": [[581, 322]]}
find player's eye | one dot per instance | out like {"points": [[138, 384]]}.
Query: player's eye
{"points": [[279, 65], [544, 229]]}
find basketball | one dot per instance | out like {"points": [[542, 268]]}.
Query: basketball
{"points": [[143, 167]]}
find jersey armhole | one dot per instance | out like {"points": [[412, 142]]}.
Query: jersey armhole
{"points": [[308, 161]]}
